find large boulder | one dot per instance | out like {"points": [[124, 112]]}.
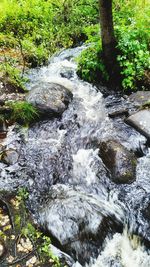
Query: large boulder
{"points": [[120, 162], [76, 221], [50, 99], [141, 122]]}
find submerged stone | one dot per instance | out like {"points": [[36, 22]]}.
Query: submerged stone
{"points": [[141, 122], [50, 99], [120, 162], [76, 221]]}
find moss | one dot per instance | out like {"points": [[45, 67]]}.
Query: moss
{"points": [[146, 105]]}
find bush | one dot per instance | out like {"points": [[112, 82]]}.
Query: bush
{"points": [[47, 25], [131, 29], [134, 59], [90, 65], [39, 28]]}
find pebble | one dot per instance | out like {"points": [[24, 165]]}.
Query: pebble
{"points": [[25, 245], [2, 249], [31, 262]]}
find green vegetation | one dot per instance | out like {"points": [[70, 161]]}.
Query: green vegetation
{"points": [[39, 28], [90, 64], [21, 236], [13, 77], [30, 231], [22, 112], [131, 20], [133, 34]]}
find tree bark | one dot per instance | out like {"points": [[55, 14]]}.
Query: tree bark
{"points": [[107, 35]]}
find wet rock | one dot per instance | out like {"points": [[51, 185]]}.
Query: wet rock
{"points": [[67, 74], [75, 221], [141, 122], [118, 113], [139, 98], [120, 162], [3, 128], [49, 98], [146, 212], [9, 156]]}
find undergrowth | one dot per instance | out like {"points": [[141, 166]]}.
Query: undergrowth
{"points": [[39, 28], [132, 32], [22, 112]]}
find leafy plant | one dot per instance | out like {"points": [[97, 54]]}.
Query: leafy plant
{"points": [[23, 112], [42, 243], [134, 57], [12, 75], [131, 21], [29, 230], [90, 65], [23, 194]]}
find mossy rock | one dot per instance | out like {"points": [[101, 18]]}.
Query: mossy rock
{"points": [[120, 162]]}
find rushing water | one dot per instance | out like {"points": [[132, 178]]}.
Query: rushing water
{"points": [[65, 152]]}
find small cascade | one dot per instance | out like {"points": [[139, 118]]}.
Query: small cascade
{"points": [[71, 193], [123, 250]]}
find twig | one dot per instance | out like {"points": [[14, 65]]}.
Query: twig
{"points": [[22, 54], [23, 257], [4, 203]]}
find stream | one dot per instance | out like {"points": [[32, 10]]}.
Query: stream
{"points": [[93, 220]]}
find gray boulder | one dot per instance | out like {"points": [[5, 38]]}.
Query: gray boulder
{"points": [[49, 98], [120, 162], [75, 220], [141, 122], [9, 156], [139, 98]]}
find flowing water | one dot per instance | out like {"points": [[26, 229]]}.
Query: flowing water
{"points": [[60, 157]]}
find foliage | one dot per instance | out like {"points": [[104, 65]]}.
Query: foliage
{"points": [[23, 194], [29, 230], [131, 20], [45, 26], [12, 75], [133, 37], [90, 65], [42, 242], [22, 112], [38, 28], [134, 59]]}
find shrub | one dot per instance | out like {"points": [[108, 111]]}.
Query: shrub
{"points": [[90, 65], [131, 29], [134, 57]]}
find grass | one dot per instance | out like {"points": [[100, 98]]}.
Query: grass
{"points": [[22, 112]]}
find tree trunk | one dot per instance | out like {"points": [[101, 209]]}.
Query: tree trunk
{"points": [[107, 35]]}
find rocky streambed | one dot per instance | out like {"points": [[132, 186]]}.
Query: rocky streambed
{"points": [[86, 169]]}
